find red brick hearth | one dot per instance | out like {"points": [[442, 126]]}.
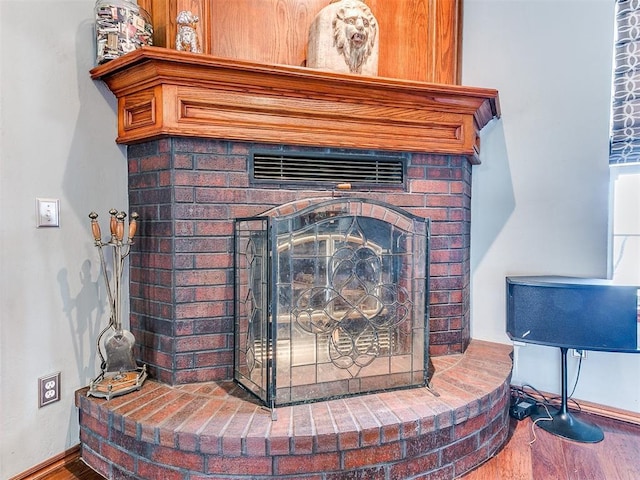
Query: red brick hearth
{"points": [[214, 430]]}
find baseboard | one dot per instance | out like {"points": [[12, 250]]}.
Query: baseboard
{"points": [[40, 471], [609, 412]]}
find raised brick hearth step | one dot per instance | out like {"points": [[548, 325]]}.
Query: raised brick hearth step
{"points": [[215, 430]]}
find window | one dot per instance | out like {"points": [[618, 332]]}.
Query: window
{"points": [[625, 210], [624, 155]]}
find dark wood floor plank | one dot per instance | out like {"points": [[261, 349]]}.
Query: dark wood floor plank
{"points": [[617, 457], [621, 457], [583, 461], [611, 425], [77, 470], [547, 456], [510, 462]]}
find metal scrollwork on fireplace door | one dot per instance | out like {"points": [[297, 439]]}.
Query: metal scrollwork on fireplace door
{"points": [[355, 309]]}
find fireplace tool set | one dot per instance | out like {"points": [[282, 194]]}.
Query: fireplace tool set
{"points": [[120, 373]]}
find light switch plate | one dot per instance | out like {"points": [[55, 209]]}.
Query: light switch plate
{"points": [[47, 212]]}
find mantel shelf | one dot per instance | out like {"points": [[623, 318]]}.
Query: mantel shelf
{"points": [[163, 92]]}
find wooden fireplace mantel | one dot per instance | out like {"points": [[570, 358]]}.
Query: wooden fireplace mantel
{"points": [[163, 92]]}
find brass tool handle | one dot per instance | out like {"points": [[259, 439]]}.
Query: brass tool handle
{"points": [[113, 222], [95, 226], [133, 225], [120, 226]]}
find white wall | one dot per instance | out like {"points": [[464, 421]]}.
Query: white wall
{"points": [[58, 132], [540, 196], [539, 200]]}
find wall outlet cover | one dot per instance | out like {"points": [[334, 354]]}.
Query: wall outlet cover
{"points": [[48, 389]]}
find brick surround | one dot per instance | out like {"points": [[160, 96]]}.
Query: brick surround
{"points": [[188, 191], [215, 431]]}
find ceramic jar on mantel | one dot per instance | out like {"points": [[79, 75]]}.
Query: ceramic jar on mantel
{"points": [[121, 27]]}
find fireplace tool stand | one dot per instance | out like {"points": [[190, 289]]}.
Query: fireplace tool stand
{"points": [[120, 373]]}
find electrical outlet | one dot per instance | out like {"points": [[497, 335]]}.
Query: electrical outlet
{"points": [[579, 353], [48, 389]]}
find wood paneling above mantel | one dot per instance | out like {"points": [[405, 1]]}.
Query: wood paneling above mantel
{"points": [[163, 92]]}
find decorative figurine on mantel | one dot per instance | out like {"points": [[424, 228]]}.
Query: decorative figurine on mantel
{"points": [[187, 37], [120, 373], [344, 38]]}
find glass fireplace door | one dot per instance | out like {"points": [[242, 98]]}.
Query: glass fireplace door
{"points": [[345, 301]]}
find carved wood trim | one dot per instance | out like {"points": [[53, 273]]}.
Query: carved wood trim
{"points": [[165, 92], [139, 110]]}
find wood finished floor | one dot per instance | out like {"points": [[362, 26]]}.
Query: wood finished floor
{"points": [[549, 457]]}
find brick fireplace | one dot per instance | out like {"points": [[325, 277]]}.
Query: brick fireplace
{"points": [[192, 124], [189, 191]]}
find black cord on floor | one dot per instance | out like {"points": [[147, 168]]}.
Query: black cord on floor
{"points": [[531, 394]]}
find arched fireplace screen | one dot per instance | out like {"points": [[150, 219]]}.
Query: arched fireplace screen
{"points": [[330, 300]]}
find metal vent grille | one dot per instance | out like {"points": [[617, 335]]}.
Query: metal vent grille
{"points": [[329, 169]]}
